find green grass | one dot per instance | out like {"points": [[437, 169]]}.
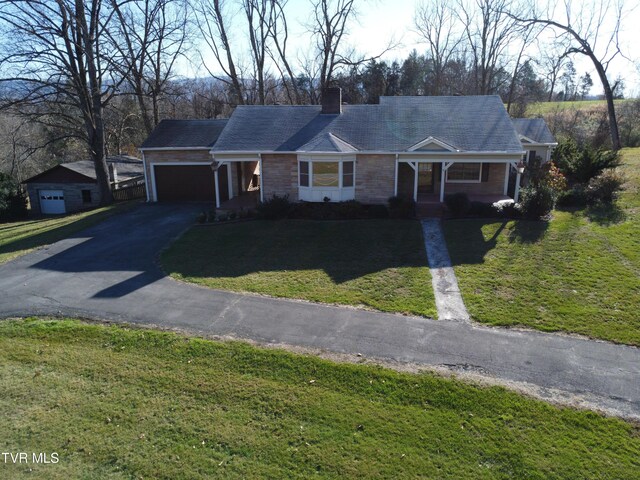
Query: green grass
{"points": [[127, 403], [379, 264], [579, 273], [545, 108], [18, 238]]}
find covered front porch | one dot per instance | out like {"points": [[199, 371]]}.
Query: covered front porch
{"points": [[428, 180], [244, 201], [243, 182]]}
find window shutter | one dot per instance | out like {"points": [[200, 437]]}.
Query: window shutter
{"points": [[485, 172]]}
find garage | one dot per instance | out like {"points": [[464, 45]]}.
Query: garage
{"points": [[188, 183], [51, 202]]}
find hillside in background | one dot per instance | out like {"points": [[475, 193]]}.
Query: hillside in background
{"points": [[537, 109], [587, 122]]}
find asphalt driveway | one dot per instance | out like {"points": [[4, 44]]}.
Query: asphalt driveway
{"points": [[110, 272]]}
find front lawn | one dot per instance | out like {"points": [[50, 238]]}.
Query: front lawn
{"points": [[379, 264], [580, 272], [18, 238], [114, 402]]}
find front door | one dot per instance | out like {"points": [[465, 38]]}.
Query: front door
{"points": [[425, 177]]}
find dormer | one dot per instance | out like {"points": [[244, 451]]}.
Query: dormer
{"points": [[432, 144]]}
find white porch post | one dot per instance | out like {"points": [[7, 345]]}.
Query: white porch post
{"points": [[215, 176], [395, 183], [147, 187], [261, 179], [415, 181], [229, 180], [517, 192], [506, 178], [445, 167]]}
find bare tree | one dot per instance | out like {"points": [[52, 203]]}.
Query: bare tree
{"points": [[279, 34], [488, 31], [329, 29], [20, 155], [213, 25], [260, 14], [526, 37], [552, 62], [586, 28], [56, 65], [150, 36], [436, 23]]}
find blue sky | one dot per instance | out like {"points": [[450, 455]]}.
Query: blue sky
{"points": [[382, 21]]}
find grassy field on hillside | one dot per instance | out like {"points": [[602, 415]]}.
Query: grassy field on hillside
{"points": [[544, 108], [579, 273], [115, 403]]}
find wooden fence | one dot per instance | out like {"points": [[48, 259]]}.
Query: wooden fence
{"points": [[129, 193]]}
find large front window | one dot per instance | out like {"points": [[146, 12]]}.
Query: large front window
{"points": [[464, 172], [326, 174], [321, 178]]}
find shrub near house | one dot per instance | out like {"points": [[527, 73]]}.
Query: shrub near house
{"points": [[591, 173]]}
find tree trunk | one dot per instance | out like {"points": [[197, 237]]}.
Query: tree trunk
{"points": [[95, 122], [611, 109], [552, 88]]}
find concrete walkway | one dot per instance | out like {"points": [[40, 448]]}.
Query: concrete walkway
{"points": [[110, 272], [449, 301]]}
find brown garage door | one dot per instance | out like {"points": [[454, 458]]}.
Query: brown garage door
{"points": [[188, 183]]}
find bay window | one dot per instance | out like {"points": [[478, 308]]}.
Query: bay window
{"points": [[326, 174], [322, 177]]}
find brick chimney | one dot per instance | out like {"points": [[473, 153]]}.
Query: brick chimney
{"points": [[332, 101]]}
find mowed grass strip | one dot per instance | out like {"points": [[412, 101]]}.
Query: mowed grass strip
{"points": [[380, 264], [128, 403], [18, 238], [579, 273]]}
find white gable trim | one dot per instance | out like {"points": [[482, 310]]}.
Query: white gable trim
{"points": [[528, 142], [339, 144], [434, 140]]}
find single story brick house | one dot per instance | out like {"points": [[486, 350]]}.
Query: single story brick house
{"points": [[421, 148], [71, 187]]}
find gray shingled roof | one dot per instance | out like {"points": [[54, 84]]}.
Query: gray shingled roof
{"points": [[83, 167], [185, 133], [474, 123], [126, 167], [533, 128], [327, 142]]}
